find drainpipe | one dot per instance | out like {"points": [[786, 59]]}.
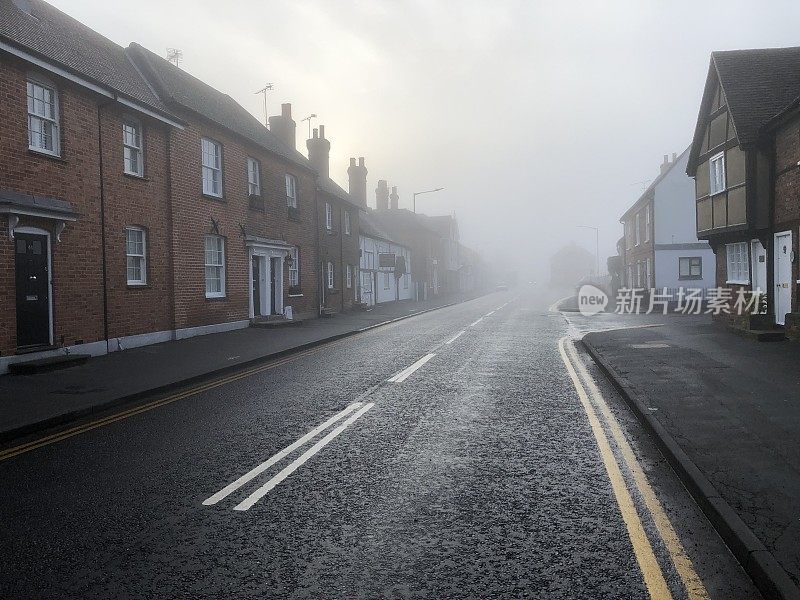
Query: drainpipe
{"points": [[341, 257], [103, 223], [320, 262]]}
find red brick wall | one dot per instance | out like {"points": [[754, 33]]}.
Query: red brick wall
{"points": [[340, 249], [77, 294], [192, 213], [787, 189]]}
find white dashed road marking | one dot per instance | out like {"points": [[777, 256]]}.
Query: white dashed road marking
{"points": [[406, 373], [455, 337]]}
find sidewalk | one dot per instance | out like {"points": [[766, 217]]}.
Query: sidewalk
{"points": [[34, 402], [729, 407]]}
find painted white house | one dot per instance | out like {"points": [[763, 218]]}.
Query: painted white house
{"points": [[380, 257], [660, 248]]}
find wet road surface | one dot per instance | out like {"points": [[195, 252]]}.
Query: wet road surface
{"points": [[472, 452]]}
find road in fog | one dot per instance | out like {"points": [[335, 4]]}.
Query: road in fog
{"points": [[460, 453]]}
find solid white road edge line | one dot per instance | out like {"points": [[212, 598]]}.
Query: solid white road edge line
{"points": [[253, 473], [406, 373], [265, 489], [476, 322], [456, 336], [489, 314]]}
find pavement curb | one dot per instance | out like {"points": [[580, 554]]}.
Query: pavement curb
{"points": [[7, 438], [759, 563]]}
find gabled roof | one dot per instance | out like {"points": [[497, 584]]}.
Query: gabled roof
{"points": [[648, 194], [56, 38], [176, 85], [370, 227], [401, 225], [758, 84]]}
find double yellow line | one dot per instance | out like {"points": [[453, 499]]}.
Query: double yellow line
{"points": [[136, 410], [653, 575]]}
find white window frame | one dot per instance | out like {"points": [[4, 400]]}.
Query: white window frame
{"points": [[649, 273], [132, 149], [328, 216], [291, 190], [41, 117], [253, 177], [386, 284], [349, 276], [294, 268], [218, 263], [347, 222], [330, 275], [140, 257], [716, 184], [647, 224], [211, 167], [737, 256], [638, 229], [627, 225]]}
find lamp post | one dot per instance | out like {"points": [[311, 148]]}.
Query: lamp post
{"points": [[425, 192], [596, 247]]}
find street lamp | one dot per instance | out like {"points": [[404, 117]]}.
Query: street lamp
{"points": [[596, 247], [425, 192]]}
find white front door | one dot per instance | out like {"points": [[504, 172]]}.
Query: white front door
{"points": [[783, 276], [759, 254]]}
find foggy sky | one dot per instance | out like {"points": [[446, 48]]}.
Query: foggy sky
{"points": [[535, 116]]}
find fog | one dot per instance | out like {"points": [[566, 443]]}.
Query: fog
{"points": [[534, 116]]}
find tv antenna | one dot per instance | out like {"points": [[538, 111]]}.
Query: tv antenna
{"points": [[175, 56], [267, 88], [642, 183], [308, 118]]}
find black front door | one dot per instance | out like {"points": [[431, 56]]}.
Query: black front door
{"points": [[33, 290], [256, 286]]}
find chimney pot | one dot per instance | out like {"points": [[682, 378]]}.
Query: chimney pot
{"points": [[360, 161], [395, 199], [357, 175], [283, 126], [674, 156], [322, 131], [352, 162], [286, 110], [315, 135], [382, 195], [319, 154]]}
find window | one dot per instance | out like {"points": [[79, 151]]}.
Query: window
{"points": [[253, 177], [132, 148], [330, 275], [647, 224], [212, 168], [349, 276], [347, 222], [638, 229], [43, 133], [738, 263], [328, 216], [690, 267], [386, 280], [294, 268], [291, 191], [215, 266], [648, 274], [135, 249], [405, 281], [717, 173], [627, 235]]}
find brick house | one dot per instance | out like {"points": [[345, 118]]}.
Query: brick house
{"points": [[660, 249], [243, 203], [338, 231], [745, 158], [83, 189]]}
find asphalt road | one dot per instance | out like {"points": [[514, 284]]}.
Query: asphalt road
{"points": [[477, 472]]}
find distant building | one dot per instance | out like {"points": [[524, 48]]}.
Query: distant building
{"points": [[571, 264], [660, 247]]}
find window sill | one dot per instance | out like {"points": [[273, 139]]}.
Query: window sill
{"points": [[135, 176], [216, 298], [697, 278], [212, 197], [734, 282], [54, 157], [295, 295], [137, 286]]}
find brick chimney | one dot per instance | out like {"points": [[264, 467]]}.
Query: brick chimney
{"points": [[284, 127], [358, 181], [665, 165], [394, 198], [319, 153], [382, 195]]}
